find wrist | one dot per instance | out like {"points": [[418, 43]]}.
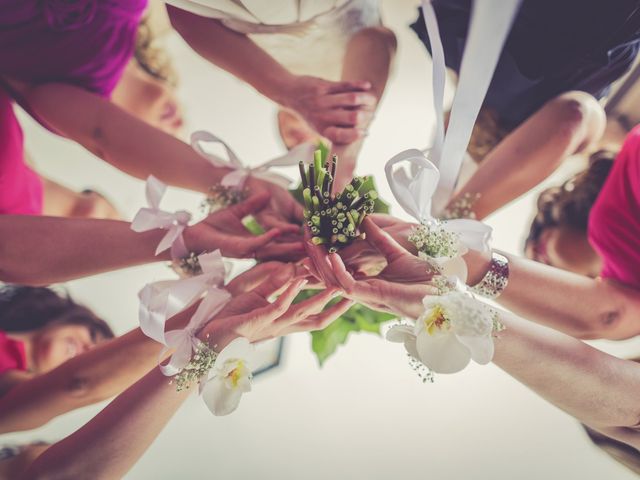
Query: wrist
{"points": [[217, 336], [478, 264], [279, 86]]}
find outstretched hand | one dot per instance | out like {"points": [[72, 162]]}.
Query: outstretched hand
{"points": [[250, 314], [400, 286], [224, 230]]}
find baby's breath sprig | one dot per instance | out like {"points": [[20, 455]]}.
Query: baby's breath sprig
{"points": [[220, 197], [433, 241], [199, 365], [334, 220]]}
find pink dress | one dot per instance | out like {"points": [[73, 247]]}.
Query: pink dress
{"points": [[12, 354], [20, 187], [614, 222]]}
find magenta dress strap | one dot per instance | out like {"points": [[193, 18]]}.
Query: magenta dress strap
{"points": [[21, 188], [85, 43], [614, 221]]}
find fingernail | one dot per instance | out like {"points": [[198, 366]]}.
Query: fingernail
{"points": [[337, 293]]}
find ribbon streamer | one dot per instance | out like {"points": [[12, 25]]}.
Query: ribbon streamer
{"points": [[414, 188], [240, 173], [152, 218], [490, 23], [160, 301]]}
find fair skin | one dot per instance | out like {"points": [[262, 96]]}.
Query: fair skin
{"points": [[339, 111], [30, 400], [70, 251], [140, 413], [567, 125]]}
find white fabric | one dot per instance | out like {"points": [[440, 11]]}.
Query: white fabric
{"points": [[309, 37]]}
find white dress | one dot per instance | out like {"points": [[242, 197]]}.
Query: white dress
{"points": [[308, 37]]}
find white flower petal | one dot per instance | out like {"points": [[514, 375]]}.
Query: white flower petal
{"points": [[480, 348], [442, 352], [239, 348], [220, 399], [399, 333], [473, 234], [455, 267]]}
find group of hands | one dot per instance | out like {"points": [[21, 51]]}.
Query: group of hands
{"points": [[377, 271]]}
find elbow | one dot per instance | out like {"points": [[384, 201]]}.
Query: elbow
{"points": [[21, 275], [607, 325]]}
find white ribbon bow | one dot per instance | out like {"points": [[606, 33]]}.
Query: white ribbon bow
{"points": [[414, 189], [240, 173], [160, 301], [489, 26], [151, 218]]}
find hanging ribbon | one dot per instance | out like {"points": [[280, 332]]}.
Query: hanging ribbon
{"points": [[152, 218], [414, 188], [489, 26], [160, 301], [240, 173]]}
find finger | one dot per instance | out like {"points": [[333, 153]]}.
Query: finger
{"points": [[290, 251], [269, 220], [279, 307], [348, 99], [341, 117], [358, 85], [381, 240], [311, 306], [253, 277], [310, 267], [323, 319], [319, 257], [342, 276], [253, 204], [342, 135]]}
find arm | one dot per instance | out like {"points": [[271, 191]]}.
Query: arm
{"points": [[579, 306], [43, 250], [331, 108], [113, 441], [564, 126], [86, 379], [596, 388], [127, 143]]}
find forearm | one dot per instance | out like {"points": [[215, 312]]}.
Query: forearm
{"points": [[94, 376], [113, 441], [124, 141], [233, 52], [592, 386], [574, 304], [42, 250]]}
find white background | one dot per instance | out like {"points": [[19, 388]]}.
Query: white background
{"points": [[365, 415]]}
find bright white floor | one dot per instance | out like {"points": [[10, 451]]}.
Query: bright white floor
{"points": [[365, 415]]}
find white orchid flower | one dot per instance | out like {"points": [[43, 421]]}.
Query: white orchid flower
{"points": [[230, 377], [454, 329]]}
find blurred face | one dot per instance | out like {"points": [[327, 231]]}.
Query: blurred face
{"points": [[565, 248], [148, 98], [57, 343]]}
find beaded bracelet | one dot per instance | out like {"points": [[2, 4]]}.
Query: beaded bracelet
{"points": [[496, 279]]}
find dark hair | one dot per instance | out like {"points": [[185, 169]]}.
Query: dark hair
{"points": [[25, 308], [569, 205]]}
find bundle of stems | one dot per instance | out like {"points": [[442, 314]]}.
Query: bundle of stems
{"points": [[334, 220]]}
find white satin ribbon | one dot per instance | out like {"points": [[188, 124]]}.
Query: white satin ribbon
{"points": [[414, 187], [236, 178], [489, 26], [151, 218], [160, 301]]}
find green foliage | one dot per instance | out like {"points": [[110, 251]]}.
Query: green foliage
{"points": [[358, 318]]}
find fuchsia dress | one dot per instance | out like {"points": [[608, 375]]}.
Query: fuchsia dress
{"points": [[12, 354], [614, 222], [86, 43]]}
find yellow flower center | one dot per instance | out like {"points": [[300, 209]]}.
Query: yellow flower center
{"points": [[236, 374], [435, 320]]}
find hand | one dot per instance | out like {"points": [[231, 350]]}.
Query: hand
{"points": [[380, 293], [251, 315], [224, 230], [282, 212], [339, 111]]}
